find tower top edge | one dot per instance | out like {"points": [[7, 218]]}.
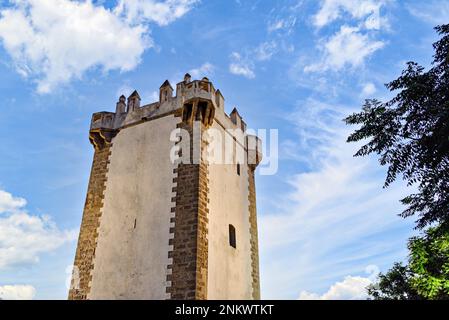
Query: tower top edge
{"points": [[129, 110]]}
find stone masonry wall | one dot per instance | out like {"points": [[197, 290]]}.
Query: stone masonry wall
{"points": [[188, 278], [253, 232], [87, 240]]}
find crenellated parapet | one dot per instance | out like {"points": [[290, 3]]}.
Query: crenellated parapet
{"points": [[102, 129], [194, 100], [198, 89], [197, 99]]}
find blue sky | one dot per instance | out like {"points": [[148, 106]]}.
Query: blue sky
{"points": [[326, 225]]}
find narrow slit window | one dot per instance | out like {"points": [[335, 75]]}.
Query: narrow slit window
{"points": [[232, 238], [238, 168]]}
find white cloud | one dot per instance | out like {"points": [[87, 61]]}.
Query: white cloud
{"points": [[337, 218], [276, 25], [286, 24], [241, 67], [355, 41], [8, 203], [331, 10], [56, 41], [206, 69], [265, 50], [369, 89], [163, 13], [432, 12], [23, 237], [347, 48], [17, 292], [351, 288], [283, 17]]}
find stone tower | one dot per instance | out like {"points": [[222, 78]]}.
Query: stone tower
{"points": [[170, 211]]}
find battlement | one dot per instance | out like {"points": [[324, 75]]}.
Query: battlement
{"points": [[203, 89], [200, 93], [196, 100]]}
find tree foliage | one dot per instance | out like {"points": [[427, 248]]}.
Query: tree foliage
{"points": [[394, 285], [425, 277], [410, 134], [429, 263]]}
